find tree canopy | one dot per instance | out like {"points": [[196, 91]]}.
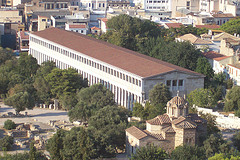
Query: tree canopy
{"points": [[204, 67], [202, 98], [232, 26], [128, 32], [9, 124], [150, 152], [65, 81], [108, 126], [232, 100], [90, 100], [159, 95], [187, 152], [20, 101], [5, 54]]}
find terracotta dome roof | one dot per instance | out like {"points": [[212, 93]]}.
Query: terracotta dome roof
{"points": [[178, 101]]}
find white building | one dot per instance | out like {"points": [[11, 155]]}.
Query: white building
{"points": [[129, 75], [157, 5], [234, 73], [230, 6], [209, 5], [77, 27], [94, 4]]}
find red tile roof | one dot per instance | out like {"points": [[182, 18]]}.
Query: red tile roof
{"points": [[208, 26], [24, 35], [159, 120], [104, 19], [223, 15], [221, 58], [95, 28], [136, 132], [212, 55], [174, 25], [133, 62], [155, 135], [235, 65], [184, 123], [77, 26]]}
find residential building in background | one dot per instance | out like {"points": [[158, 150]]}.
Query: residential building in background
{"points": [[23, 41], [77, 27]]}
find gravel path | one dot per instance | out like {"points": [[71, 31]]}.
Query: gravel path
{"points": [[37, 115]]}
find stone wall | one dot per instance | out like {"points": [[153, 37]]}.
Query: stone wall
{"points": [[191, 82]]}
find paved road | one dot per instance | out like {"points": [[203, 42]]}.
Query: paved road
{"points": [[37, 115]]}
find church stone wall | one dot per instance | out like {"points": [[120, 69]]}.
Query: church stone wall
{"points": [[190, 136], [178, 137]]}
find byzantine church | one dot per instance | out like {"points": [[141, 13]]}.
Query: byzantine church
{"points": [[174, 128]]}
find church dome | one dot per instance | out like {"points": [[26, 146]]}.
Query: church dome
{"points": [[178, 101]]}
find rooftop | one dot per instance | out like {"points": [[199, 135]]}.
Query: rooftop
{"points": [[223, 15], [237, 65], [212, 54], [223, 35], [194, 39], [208, 26], [159, 120], [133, 62], [174, 25], [24, 35], [77, 26], [136, 132]]}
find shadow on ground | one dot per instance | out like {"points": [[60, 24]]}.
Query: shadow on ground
{"points": [[51, 114]]}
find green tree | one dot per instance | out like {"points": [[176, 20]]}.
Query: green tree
{"points": [[182, 54], [159, 96], [236, 140], [202, 98], [77, 144], [6, 143], [68, 101], [232, 100], [204, 67], [20, 101], [150, 152], [138, 111], [232, 26], [219, 79], [65, 81], [45, 68], [211, 123], [9, 124], [129, 32], [43, 90], [108, 126], [55, 144], [5, 54], [215, 144], [27, 65], [90, 100], [187, 152], [32, 152]]}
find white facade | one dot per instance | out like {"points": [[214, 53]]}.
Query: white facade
{"points": [[157, 5], [234, 73], [94, 4], [209, 5], [79, 28], [230, 6], [127, 87]]}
